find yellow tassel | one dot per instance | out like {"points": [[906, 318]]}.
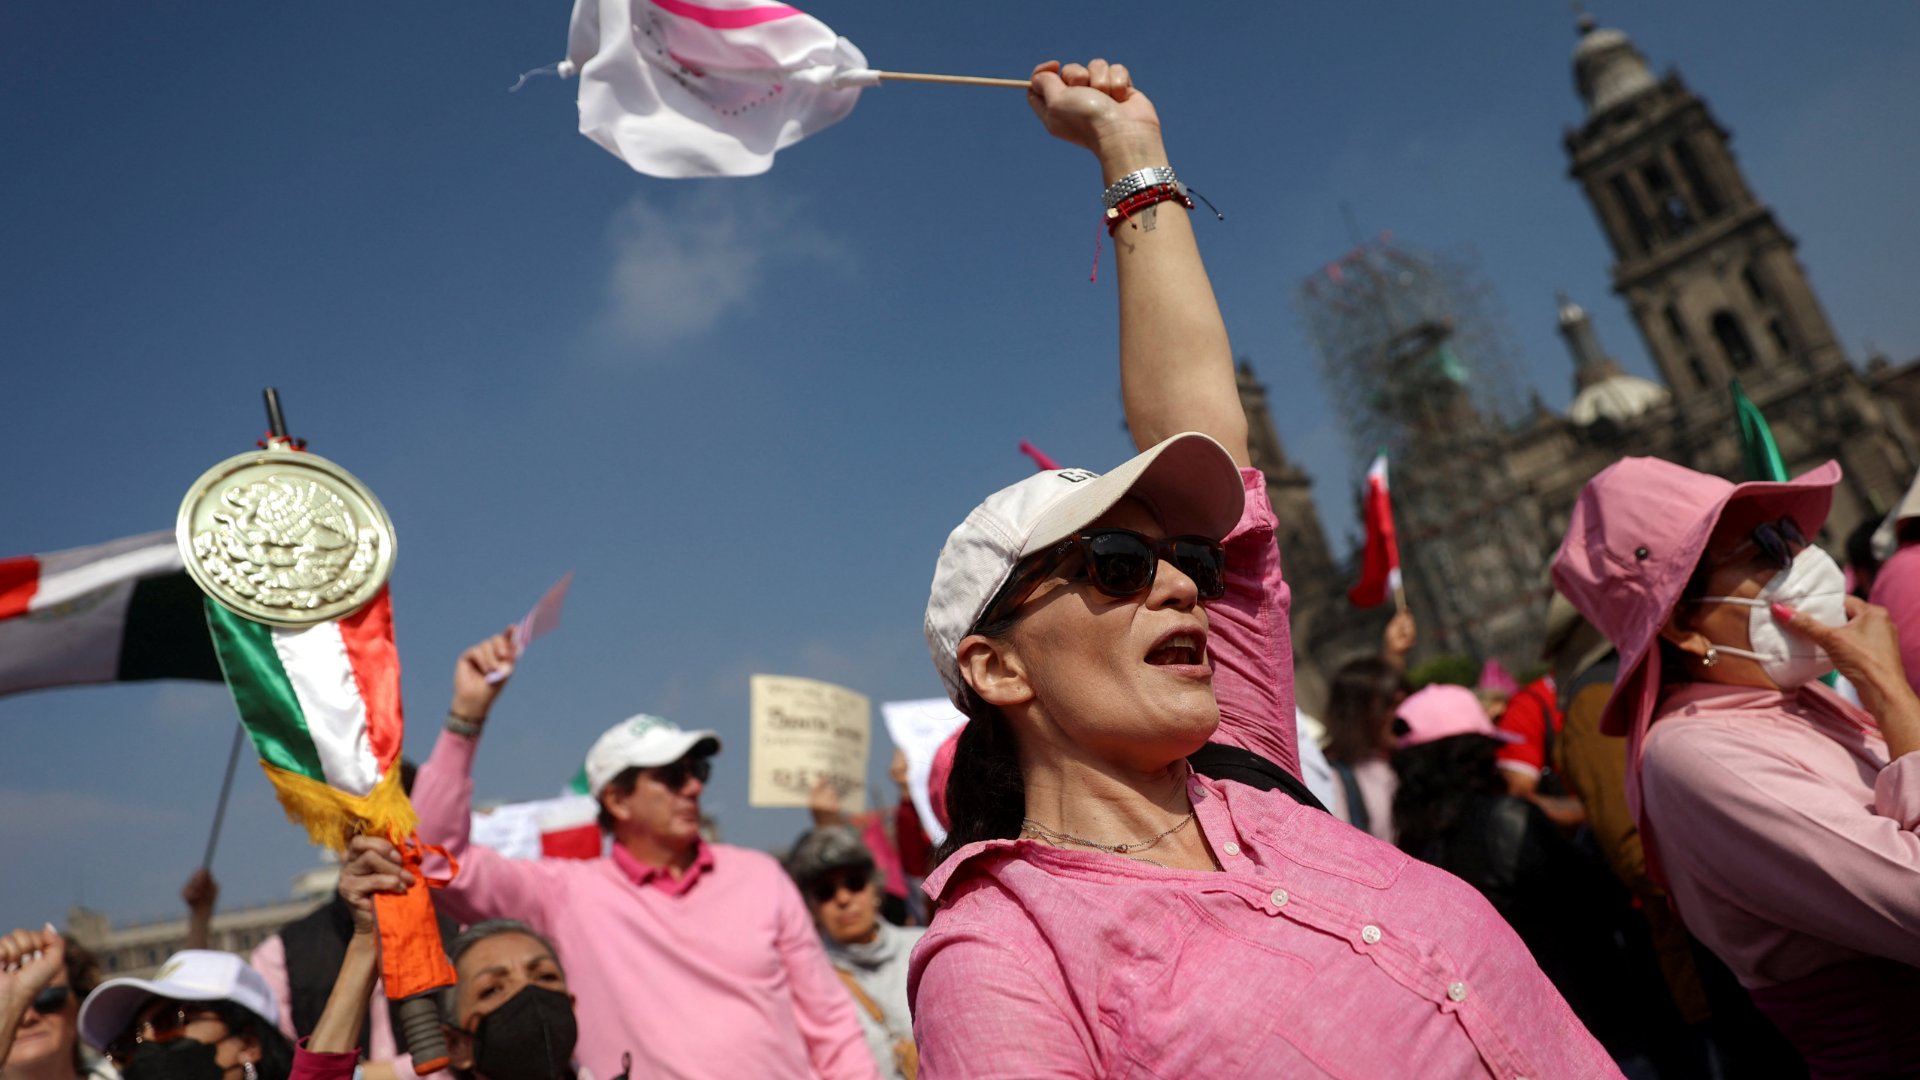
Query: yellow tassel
{"points": [[332, 817]]}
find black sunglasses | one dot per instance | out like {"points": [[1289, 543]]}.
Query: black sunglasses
{"points": [[51, 999], [674, 776], [1120, 563], [824, 889]]}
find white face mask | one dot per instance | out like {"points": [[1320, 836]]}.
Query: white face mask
{"points": [[1814, 585]]}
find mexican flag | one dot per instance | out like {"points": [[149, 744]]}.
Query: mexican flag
{"points": [[1380, 564], [322, 705], [114, 612]]}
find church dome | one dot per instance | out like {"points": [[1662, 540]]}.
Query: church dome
{"points": [[1619, 398], [1607, 68]]}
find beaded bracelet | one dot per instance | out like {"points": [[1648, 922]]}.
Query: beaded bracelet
{"points": [[1123, 211]]}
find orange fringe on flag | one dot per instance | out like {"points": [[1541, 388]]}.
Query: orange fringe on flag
{"points": [[332, 817]]}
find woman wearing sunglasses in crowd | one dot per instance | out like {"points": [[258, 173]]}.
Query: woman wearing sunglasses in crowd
{"points": [[840, 882], [43, 979], [1781, 818], [1105, 909], [202, 1016], [509, 1015]]}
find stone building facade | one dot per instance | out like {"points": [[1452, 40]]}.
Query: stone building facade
{"points": [[1716, 291]]}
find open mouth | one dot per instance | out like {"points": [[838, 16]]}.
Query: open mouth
{"points": [[1181, 649]]}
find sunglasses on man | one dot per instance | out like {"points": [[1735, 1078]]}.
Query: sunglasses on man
{"points": [[674, 776], [823, 889], [1119, 563]]}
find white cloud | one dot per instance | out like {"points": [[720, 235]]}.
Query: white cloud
{"points": [[683, 262]]}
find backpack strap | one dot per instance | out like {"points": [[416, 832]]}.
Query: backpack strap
{"points": [[1218, 761]]}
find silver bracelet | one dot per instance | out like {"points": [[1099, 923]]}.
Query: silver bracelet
{"points": [[1136, 182], [462, 726]]}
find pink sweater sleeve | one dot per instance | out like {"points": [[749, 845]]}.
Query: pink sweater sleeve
{"points": [[1772, 838], [823, 1010], [489, 885], [1249, 639]]}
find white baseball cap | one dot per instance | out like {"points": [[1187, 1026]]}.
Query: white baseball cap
{"points": [[188, 975], [1188, 481], [645, 742]]}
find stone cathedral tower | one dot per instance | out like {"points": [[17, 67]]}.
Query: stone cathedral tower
{"points": [[1705, 268], [1713, 283]]}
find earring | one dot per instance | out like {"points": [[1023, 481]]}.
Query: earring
{"points": [[1712, 658], [251, 1073]]}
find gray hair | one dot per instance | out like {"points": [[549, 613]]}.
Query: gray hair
{"points": [[474, 935]]}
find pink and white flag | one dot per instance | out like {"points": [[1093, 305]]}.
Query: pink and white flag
{"points": [[679, 88], [544, 617]]}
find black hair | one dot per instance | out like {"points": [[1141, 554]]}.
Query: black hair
{"points": [[622, 786], [83, 975], [986, 793], [1860, 554], [276, 1051], [1437, 781], [1676, 664], [1360, 706]]}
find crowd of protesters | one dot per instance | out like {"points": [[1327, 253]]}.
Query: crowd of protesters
{"points": [[1673, 853]]}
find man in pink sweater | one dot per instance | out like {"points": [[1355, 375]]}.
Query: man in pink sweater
{"points": [[698, 959]]}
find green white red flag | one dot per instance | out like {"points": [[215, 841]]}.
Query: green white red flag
{"points": [[322, 705], [1380, 565]]}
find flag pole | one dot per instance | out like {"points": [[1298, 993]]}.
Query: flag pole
{"points": [[226, 788], [950, 80], [1400, 599]]}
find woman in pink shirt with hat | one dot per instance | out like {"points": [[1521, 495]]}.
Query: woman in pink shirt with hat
{"points": [[1781, 818], [1105, 908]]}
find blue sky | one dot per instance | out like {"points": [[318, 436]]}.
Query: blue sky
{"points": [[744, 412]]}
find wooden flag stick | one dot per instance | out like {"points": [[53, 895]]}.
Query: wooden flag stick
{"points": [[951, 80]]}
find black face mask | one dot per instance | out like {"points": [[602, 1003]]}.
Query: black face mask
{"points": [[530, 1037], [178, 1059]]}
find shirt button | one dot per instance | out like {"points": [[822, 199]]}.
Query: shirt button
{"points": [[1279, 897], [1457, 991], [1370, 934], [1230, 848]]}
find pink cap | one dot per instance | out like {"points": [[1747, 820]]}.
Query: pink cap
{"points": [[1636, 535], [1441, 711]]}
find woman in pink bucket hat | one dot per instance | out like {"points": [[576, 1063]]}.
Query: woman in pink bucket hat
{"points": [[1781, 818]]}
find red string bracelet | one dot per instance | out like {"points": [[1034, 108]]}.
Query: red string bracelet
{"points": [[1122, 212]]}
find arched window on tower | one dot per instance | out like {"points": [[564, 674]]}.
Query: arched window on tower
{"points": [[1754, 288], [1674, 326], [1699, 371], [1733, 341], [1778, 331], [1703, 192], [1676, 217], [1629, 202]]}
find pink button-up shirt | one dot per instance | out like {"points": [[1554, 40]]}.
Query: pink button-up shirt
{"points": [[720, 974], [1788, 842], [1320, 951], [1896, 587]]}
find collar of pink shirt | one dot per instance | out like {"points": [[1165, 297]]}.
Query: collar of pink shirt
{"points": [[641, 874], [1815, 703]]}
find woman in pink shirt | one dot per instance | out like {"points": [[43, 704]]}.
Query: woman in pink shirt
{"points": [[1104, 909], [1781, 818]]}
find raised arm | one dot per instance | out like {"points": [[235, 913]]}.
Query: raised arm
{"points": [[29, 962], [1176, 374], [489, 885], [1176, 365]]}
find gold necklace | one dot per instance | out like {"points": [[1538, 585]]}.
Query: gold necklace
{"points": [[1057, 838]]}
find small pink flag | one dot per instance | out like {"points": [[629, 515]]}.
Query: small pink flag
{"points": [[544, 617], [1041, 462]]}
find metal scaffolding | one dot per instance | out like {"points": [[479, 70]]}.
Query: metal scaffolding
{"points": [[1413, 347]]}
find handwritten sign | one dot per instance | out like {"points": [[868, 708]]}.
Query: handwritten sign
{"points": [[804, 729]]}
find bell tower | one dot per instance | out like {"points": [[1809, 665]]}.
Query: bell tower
{"points": [[1709, 274]]}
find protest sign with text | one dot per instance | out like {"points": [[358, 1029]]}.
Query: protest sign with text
{"points": [[804, 729]]}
